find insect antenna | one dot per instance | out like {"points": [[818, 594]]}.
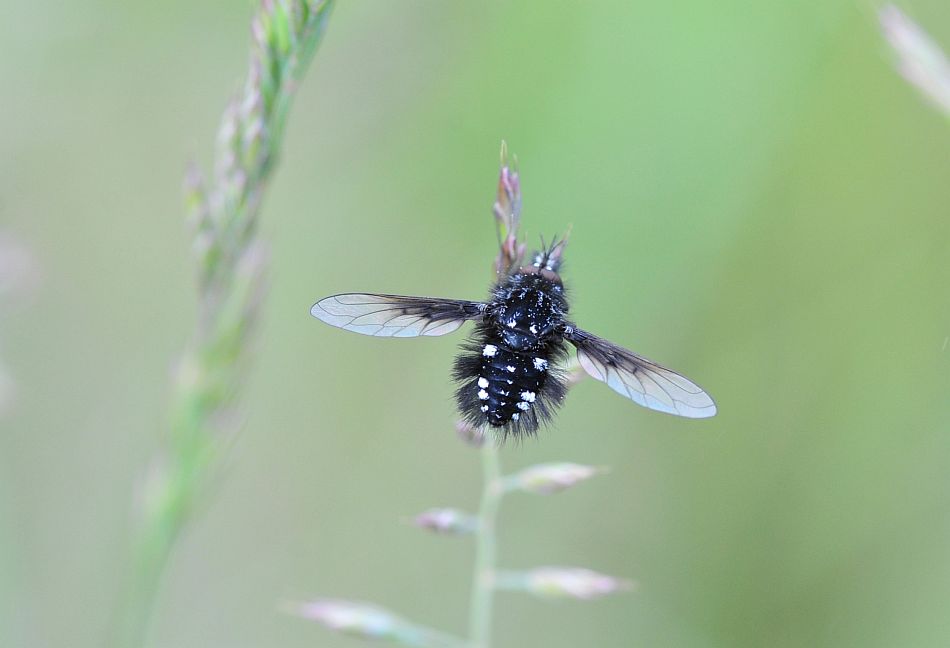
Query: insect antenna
{"points": [[549, 256]]}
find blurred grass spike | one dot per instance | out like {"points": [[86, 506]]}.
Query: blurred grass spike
{"points": [[562, 582], [231, 267], [371, 622], [550, 478], [446, 521], [920, 59]]}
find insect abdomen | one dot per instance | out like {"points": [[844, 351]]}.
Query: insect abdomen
{"points": [[509, 384], [508, 389]]}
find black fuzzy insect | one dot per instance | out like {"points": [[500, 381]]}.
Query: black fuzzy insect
{"points": [[508, 372]]}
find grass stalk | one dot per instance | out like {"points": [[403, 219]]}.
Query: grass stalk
{"points": [[483, 578], [231, 263]]}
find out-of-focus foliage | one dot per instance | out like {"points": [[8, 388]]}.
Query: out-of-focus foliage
{"points": [[757, 198], [224, 215], [920, 60]]}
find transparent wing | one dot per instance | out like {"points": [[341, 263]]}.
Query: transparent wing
{"points": [[642, 381], [395, 315]]}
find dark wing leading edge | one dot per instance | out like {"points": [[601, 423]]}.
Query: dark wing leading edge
{"points": [[642, 381], [395, 315]]}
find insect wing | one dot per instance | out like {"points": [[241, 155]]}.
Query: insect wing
{"points": [[395, 315], [642, 381]]}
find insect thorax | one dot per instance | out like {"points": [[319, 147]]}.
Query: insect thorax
{"points": [[528, 309]]}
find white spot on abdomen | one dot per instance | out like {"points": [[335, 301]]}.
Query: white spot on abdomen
{"points": [[515, 416], [540, 364], [523, 406], [490, 350], [510, 369], [482, 383], [528, 396], [483, 395]]}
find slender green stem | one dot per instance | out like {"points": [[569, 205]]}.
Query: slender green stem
{"points": [[483, 587]]}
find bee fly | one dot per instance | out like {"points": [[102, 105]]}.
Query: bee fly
{"points": [[507, 372]]}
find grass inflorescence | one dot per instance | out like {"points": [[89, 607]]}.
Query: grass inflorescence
{"points": [[230, 258]]}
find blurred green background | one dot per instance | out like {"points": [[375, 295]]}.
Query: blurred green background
{"points": [[758, 201]]}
